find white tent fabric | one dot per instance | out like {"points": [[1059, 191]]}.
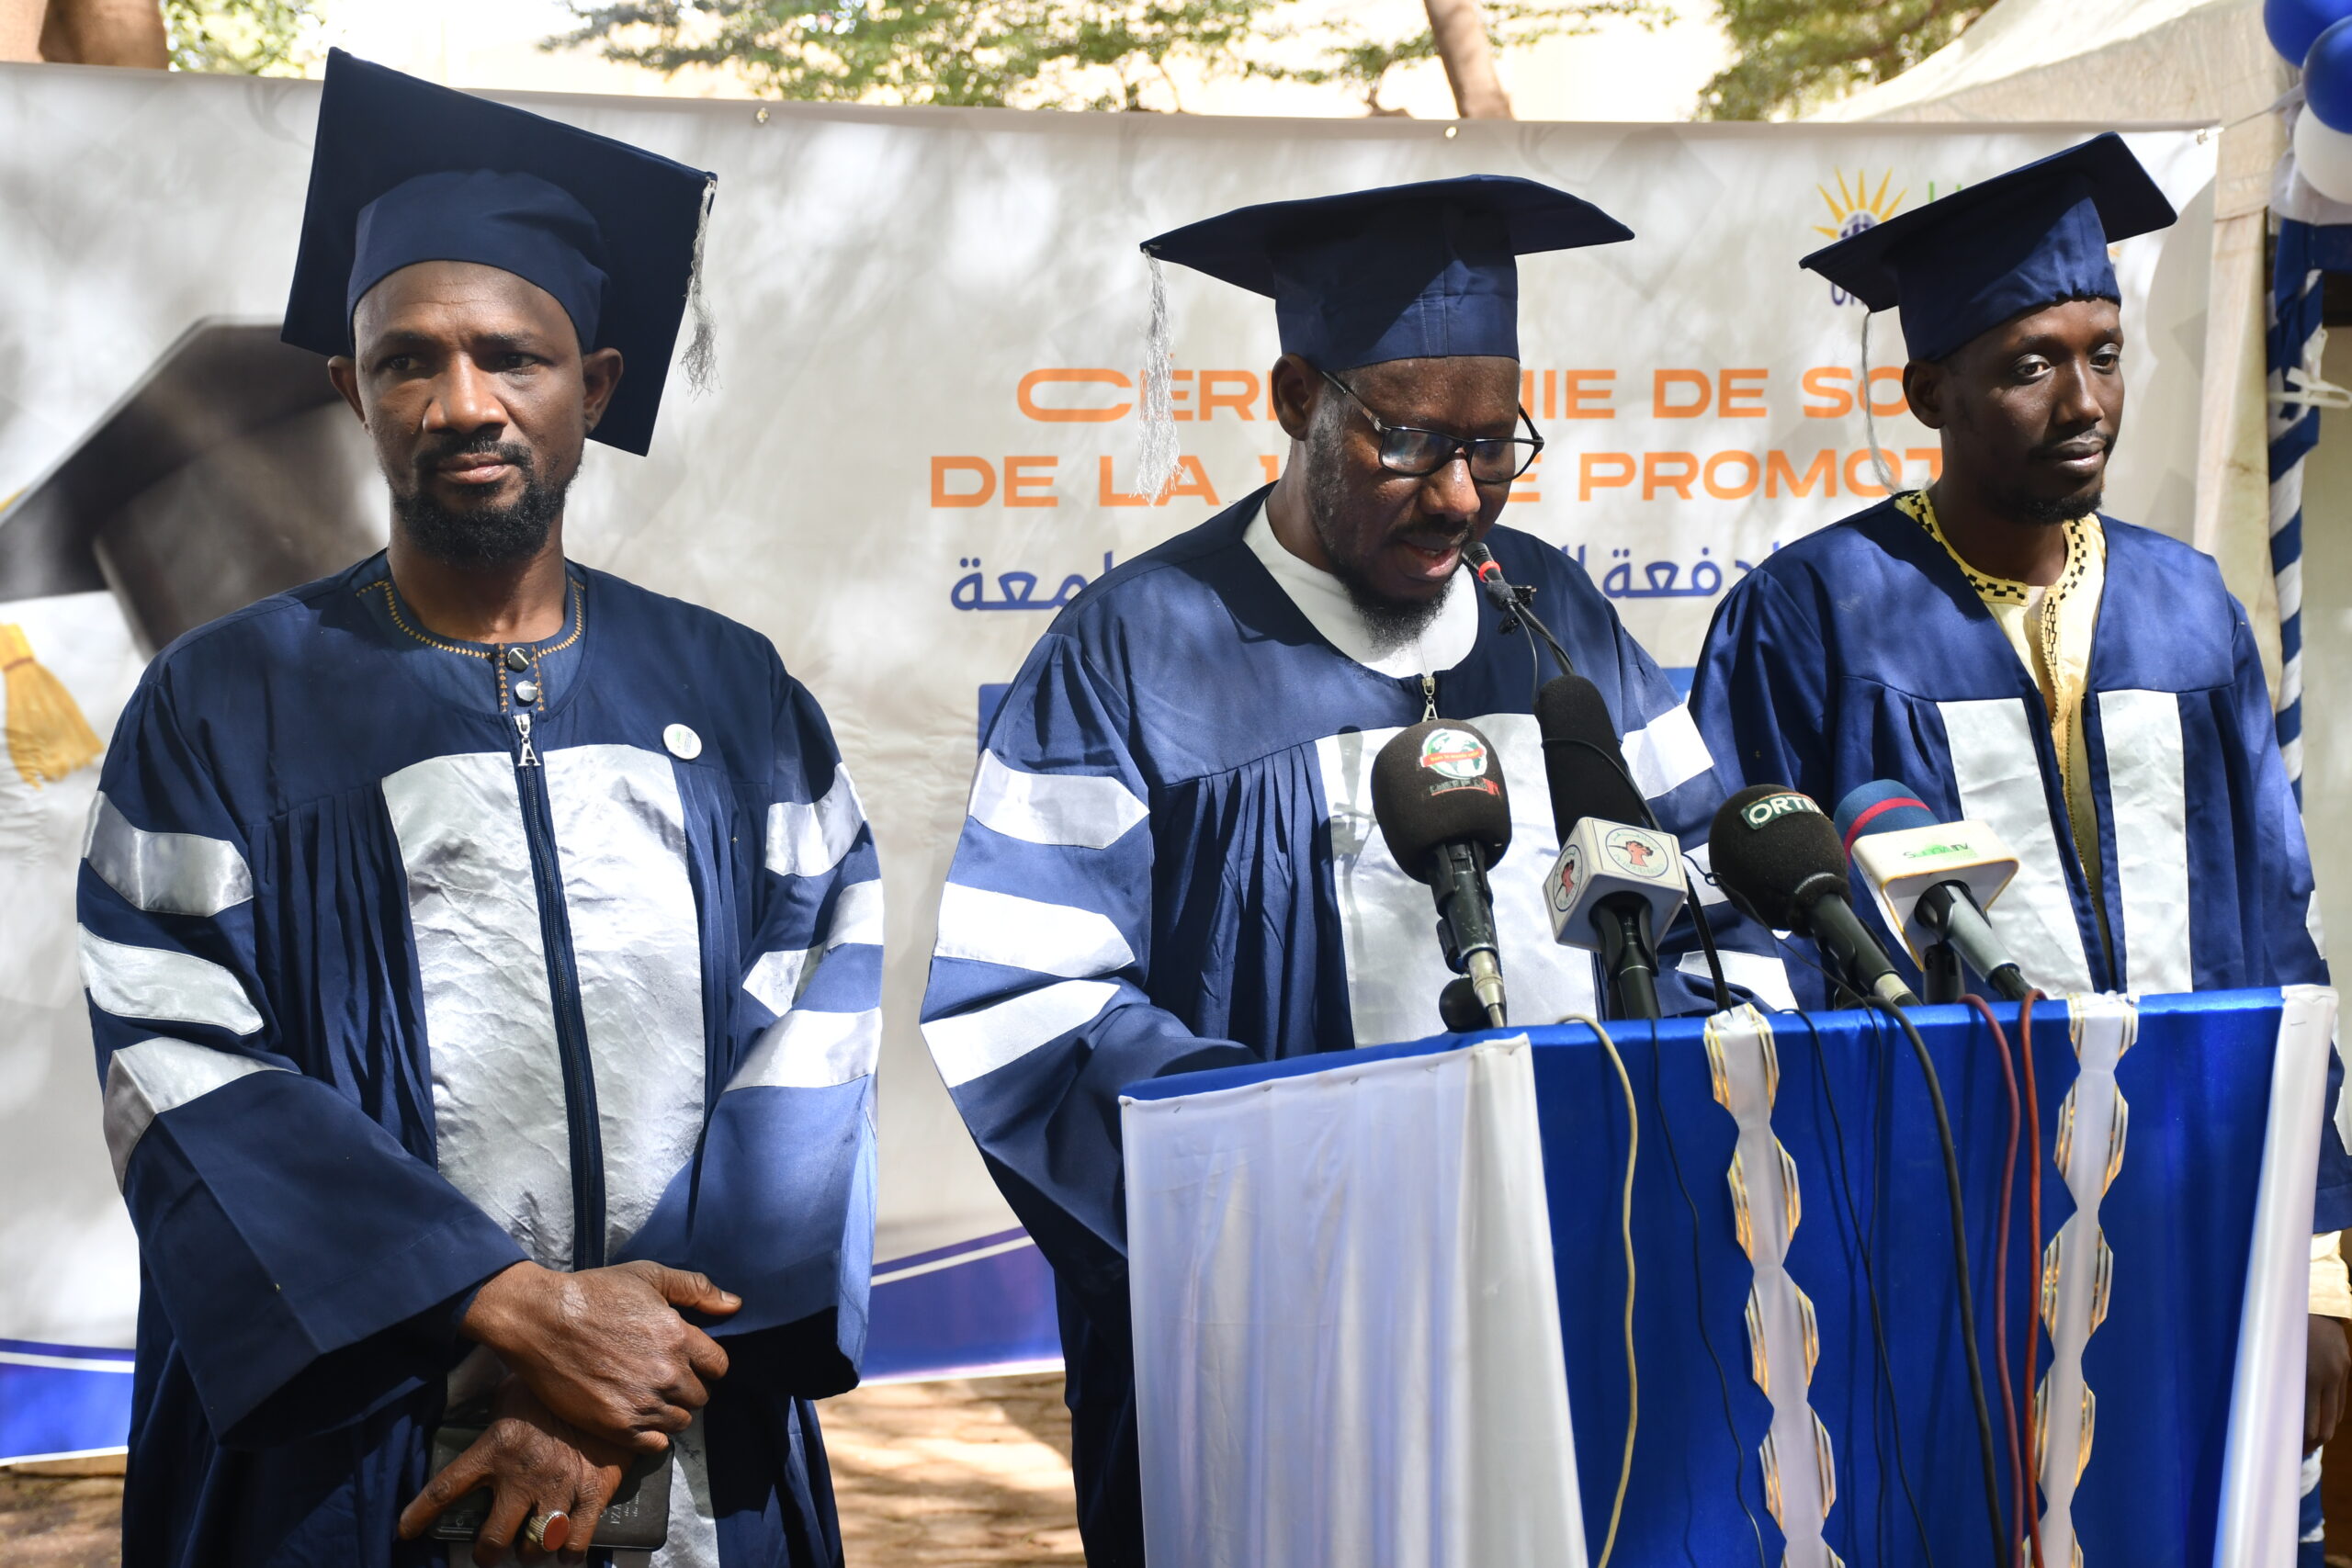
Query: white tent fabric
{"points": [[2088, 60]]}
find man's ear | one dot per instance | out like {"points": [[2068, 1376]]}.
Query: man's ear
{"points": [[1925, 383], [1296, 389], [600, 375], [345, 374]]}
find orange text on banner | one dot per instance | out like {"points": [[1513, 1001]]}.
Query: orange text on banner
{"points": [[1736, 474]]}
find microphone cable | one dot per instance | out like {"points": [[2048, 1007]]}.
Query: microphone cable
{"points": [[1698, 918], [1870, 1287], [1965, 1298], [1699, 1297], [2009, 1536], [2033, 1213], [1487, 573], [1626, 1230], [1506, 596]]}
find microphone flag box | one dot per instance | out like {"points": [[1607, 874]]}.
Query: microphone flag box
{"points": [[1901, 865], [1601, 859]]}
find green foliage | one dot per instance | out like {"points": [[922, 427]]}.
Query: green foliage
{"points": [[1354, 60], [922, 52], [1796, 55], [1030, 53], [251, 38]]}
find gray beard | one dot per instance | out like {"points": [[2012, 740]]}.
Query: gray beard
{"points": [[1393, 622]]}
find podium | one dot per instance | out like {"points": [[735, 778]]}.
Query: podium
{"points": [[1380, 1296]]}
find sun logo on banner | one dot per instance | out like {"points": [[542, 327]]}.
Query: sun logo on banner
{"points": [[1851, 211]]}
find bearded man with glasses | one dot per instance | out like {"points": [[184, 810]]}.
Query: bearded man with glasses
{"points": [[1170, 860]]}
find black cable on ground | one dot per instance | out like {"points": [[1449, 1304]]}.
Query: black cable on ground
{"points": [[1959, 1270]]}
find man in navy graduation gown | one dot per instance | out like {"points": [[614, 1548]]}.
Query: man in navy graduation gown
{"points": [[484, 952], [1170, 860], [2086, 688]]}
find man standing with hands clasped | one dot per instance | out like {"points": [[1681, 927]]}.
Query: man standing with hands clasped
{"points": [[483, 953], [2087, 689]]}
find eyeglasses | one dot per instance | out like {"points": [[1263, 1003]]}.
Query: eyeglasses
{"points": [[1417, 453]]}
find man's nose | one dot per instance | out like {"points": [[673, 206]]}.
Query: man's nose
{"points": [[464, 399], [1451, 492], [2076, 401]]}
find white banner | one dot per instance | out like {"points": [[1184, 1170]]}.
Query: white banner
{"points": [[931, 326]]}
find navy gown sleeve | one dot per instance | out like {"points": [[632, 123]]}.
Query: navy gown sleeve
{"points": [[307, 1263], [1760, 695], [2272, 844], [776, 1203], [1036, 1014]]}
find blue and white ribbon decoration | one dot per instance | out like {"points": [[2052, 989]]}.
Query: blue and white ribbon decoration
{"points": [[2295, 344]]}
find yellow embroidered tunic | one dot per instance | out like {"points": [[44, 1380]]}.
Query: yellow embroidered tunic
{"points": [[2050, 629]]}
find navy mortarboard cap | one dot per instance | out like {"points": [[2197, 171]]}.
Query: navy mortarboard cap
{"points": [[1992, 251], [404, 171], [1418, 271]]}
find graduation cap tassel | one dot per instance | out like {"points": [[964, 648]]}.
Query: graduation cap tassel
{"points": [[1870, 415], [701, 361], [1159, 407], [47, 736]]}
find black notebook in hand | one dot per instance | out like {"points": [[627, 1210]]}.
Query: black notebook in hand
{"points": [[637, 1520]]}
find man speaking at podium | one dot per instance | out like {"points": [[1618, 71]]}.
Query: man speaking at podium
{"points": [[2087, 689], [1170, 860]]}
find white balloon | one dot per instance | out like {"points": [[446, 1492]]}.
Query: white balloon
{"points": [[2324, 157]]}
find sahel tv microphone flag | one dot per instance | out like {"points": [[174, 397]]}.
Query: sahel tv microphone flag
{"points": [[1932, 881], [1778, 858], [1438, 795], [1617, 883]]}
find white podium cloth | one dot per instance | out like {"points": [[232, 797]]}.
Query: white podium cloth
{"points": [[2260, 1474], [1346, 1334]]}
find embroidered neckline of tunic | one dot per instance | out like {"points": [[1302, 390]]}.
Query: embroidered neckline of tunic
{"points": [[494, 652], [2051, 631]]}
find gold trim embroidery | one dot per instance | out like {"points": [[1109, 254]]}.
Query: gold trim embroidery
{"points": [[497, 665]]}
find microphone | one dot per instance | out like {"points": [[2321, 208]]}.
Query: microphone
{"points": [[1932, 880], [1437, 793], [1778, 857], [1488, 574], [1616, 883]]}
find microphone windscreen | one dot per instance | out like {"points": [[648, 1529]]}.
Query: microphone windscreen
{"points": [[1583, 761], [1769, 846], [1880, 806], [1439, 782]]}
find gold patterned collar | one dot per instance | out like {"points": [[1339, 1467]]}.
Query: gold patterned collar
{"points": [[1914, 504]]}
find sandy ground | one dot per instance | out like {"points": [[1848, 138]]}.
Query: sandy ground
{"points": [[961, 1474]]}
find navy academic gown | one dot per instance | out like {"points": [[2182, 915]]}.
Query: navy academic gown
{"points": [[1171, 862], [1861, 653], [391, 991]]}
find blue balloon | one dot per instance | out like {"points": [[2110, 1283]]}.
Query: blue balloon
{"points": [[2294, 25], [2327, 77]]}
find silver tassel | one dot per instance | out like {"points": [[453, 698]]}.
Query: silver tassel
{"points": [[1870, 415], [1159, 462], [701, 360]]}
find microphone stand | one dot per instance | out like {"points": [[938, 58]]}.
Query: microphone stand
{"points": [[1626, 943], [1942, 973]]}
